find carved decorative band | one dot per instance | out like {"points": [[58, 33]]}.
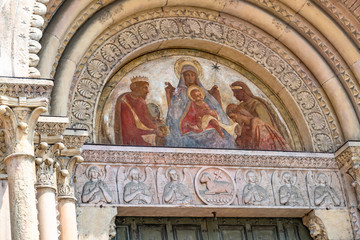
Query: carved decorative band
{"points": [[237, 159], [29, 88]]}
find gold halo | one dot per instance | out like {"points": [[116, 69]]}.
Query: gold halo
{"points": [[192, 87], [181, 62]]}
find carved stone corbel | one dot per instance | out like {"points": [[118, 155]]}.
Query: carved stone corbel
{"points": [[21, 103], [316, 227], [73, 141]]}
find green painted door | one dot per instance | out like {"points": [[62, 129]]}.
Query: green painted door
{"points": [[144, 228]]}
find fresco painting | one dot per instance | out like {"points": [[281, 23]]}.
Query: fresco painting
{"points": [[182, 101]]}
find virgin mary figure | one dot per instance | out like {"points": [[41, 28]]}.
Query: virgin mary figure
{"points": [[190, 73]]}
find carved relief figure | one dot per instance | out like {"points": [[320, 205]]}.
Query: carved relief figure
{"points": [[135, 191], [253, 133], [253, 193], [95, 190], [190, 73], [176, 192], [324, 194], [133, 124], [289, 194], [215, 186]]}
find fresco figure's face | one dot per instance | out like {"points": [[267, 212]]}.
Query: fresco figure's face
{"points": [[239, 94], [143, 90], [196, 95], [190, 77]]}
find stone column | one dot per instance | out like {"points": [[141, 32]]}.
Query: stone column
{"points": [[348, 159], [49, 130], [21, 103], [73, 140]]}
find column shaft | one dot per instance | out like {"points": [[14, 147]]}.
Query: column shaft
{"points": [[68, 223], [47, 213], [21, 180]]}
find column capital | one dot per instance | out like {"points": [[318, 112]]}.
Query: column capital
{"points": [[22, 100], [348, 156], [348, 159], [73, 140]]}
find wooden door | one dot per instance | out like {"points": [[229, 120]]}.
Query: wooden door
{"points": [[143, 228]]}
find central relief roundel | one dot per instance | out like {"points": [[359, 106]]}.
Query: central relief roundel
{"points": [[182, 101]]}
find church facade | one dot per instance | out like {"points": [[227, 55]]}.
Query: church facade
{"points": [[167, 119]]}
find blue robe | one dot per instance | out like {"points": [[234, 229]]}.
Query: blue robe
{"points": [[209, 138]]}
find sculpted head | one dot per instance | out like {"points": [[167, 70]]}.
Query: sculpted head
{"points": [[134, 174], [251, 177], [205, 177], [93, 173], [286, 178], [241, 91], [139, 86], [322, 179], [173, 174]]}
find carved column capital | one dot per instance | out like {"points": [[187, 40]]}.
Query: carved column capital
{"points": [[348, 159], [348, 156], [45, 155], [316, 226], [48, 136], [73, 141], [21, 103]]}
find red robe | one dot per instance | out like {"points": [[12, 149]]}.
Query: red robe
{"points": [[126, 126], [193, 117], [261, 136]]}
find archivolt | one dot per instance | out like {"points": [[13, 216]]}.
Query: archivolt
{"points": [[113, 49]]}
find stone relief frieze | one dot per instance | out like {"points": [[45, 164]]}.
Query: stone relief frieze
{"points": [[164, 184], [97, 68], [322, 190], [214, 186], [135, 187], [174, 187], [289, 188], [254, 188], [96, 190]]}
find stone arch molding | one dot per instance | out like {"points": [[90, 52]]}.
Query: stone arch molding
{"points": [[107, 56]]}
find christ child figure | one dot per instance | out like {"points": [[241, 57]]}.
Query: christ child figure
{"points": [[199, 116]]}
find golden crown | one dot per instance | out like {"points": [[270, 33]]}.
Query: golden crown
{"points": [[139, 79]]}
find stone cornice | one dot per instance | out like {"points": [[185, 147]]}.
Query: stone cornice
{"points": [[179, 156]]}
